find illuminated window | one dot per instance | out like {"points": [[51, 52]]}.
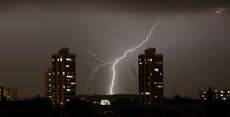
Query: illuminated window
{"points": [[50, 96], [68, 59], [67, 66], [73, 83], [53, 59], [148, 83], [205, 98], [221, 91], [49, 74], [49, 79], [160, 86], [68, 90], [221, 95], [60, 59], [67, 100], [63, 73], [69, 76], [228, 91], [140, 63], [224, 98], [156, 69], [105, 102], [147, 93], [202, 95], [151, 60], [63, 86]]}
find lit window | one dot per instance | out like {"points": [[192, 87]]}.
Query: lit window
{"points": [[160, 73], [105, 102], [215, 90], [50, 85], [154, 82], [148, 83], [140, 63], [49, 90], [151, 60], [221, 95], [61, 103], [69, 76], [63, 86], [53, 59], [205, 98], [202, 95], [73, 83], [228, 91], [68, 59], [49, 74], [49, 79], [50, 96], [224, 98], [60, 59], [147, 93], [68, 90], [67, 66], [67, 100], [221, 91], [63, 73], [160, 86], [156, 69]]}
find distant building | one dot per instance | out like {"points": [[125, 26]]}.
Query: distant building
{"points": [[10, 93], [60, 84], [215, 94], [1, 93], [151, 84]]}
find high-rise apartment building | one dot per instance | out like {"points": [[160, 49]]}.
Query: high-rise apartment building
{"points": [[150, 67], [60, 84]]}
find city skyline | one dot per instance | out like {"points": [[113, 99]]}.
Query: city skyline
{"points": [[191, 37]]}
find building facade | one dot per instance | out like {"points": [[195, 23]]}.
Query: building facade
{"points": [[10, 93], [216, 94], [1, 93], [151, 85], [60, 79]]}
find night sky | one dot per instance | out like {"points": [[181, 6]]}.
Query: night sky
{"points": [[193, 36]]}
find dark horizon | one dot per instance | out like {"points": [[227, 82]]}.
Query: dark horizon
{"points": [[193, 37]]}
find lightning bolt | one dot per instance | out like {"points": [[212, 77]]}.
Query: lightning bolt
{"points": [[95, 69], [115, 63]]}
